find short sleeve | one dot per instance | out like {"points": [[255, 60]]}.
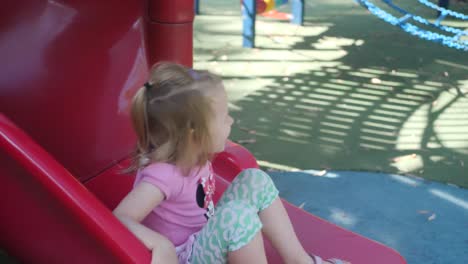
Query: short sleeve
{"points": [[164, 176]]}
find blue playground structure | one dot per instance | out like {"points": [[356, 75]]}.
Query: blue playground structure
{"points": [[250, 8], [452, 40], [442, 9]]}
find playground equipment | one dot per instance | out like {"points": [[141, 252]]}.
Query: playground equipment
{"points": [[268, 5], [250, 8], [454, 40], [68, 75], [262, 5], [442, 9]]}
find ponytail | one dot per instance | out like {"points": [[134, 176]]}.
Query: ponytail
{"points": [[139, 116]]}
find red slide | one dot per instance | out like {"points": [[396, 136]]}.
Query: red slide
{"points": [[69, 71]]}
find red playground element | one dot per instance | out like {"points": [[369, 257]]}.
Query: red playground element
{"points": [[70, 70], [261, 6]]}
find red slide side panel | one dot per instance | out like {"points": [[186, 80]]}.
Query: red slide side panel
{"points": [[233, 160], [48, 216], [171, 12], [69, 71], [170, 42], [331, 241]]}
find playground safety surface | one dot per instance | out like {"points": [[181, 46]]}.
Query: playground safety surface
{"points": [[381, 117]]}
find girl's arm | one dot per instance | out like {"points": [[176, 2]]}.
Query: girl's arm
{"points": [[133, 209]]}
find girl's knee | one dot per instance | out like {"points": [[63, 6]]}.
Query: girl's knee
{"points": [[253, 186], [255, 177]]}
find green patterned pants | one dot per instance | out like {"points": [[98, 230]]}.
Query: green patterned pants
{"points": [[236, 220]]}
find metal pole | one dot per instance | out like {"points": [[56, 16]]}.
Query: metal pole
{"points": [[249, 10], [297, 12]]}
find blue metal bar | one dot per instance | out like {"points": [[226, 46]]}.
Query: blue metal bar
{"points": [[444, 4], [397, 8], [441, 17], [404, 18], [297, 8], [418, 18], [196, 7], [449, 41], [444, 10], [249, 10]]}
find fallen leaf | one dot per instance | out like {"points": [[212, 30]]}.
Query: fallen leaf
{"points": [[359, 42], [246, 141], [250, 131], [321, 173], [406, 157]]}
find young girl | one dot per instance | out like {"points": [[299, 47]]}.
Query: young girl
{"points": [[181, 118]]}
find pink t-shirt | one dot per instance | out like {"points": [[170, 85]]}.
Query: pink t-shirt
{"points": [[179, 215]]}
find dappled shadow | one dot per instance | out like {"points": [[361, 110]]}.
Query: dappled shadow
{"points": [[369, 119]]}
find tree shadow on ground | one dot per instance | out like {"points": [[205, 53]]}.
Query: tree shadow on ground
{"points": [[337, 118], [385, 101]]}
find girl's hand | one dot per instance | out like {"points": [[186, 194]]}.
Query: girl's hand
{"points": [[133, 209], [164, 252]]}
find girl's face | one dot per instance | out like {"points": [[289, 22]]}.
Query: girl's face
{"points": [[222, 121]]}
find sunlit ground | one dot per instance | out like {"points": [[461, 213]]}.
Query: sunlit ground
{"points": [[345, 91]]}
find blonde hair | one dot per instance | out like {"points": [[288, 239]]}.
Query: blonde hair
{"points": [[171, 116]]}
